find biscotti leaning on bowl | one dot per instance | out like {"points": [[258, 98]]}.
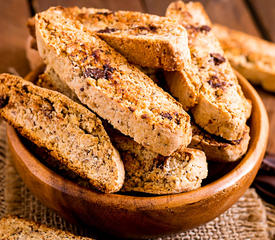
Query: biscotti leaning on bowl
{"points": [[251, 56], [145, 170], [222, 108], [67, 130], [14, 228], [104, 81]]}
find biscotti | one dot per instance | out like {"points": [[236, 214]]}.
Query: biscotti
{"points": [[251, 56], [144, 39], [49, 79], [146, 171], [70, 132], [217, 149], [149, 172], [222, 109], [104, 81], [14, 228]]}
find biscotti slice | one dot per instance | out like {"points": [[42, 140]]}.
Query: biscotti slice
{"points": [[104, 81], [14, 228], [222, 108], [217, 149], [251, 56], [144, 39], [49, 79], [70, 132], [149, 172]]}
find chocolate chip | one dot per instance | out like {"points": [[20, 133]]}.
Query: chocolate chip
{"points": [[82, 89], [4, 100], [205, 28], [95, 73], [217, 58], [215, 82], [131, 109], [95, 54], [166, 115], [105, 13], [152, 28], [25, 89], [98, 73], [107, 30], [144, 116]]}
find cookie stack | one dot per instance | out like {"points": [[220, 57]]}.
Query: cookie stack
{"points": [[130, 101]]}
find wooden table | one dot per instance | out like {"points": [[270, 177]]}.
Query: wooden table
{"points": [[255, 17]]}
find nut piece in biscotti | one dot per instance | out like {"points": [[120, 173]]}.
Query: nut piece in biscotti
{"points": [[70, 132], [14, 228], [149, 172], [144, 39], [104, 81], [218, 149], [251, 56], [222, 108]]}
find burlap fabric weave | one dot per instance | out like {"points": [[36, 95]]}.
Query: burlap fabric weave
{"points": [[249, 218]]}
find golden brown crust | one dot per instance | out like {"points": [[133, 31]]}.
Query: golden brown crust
{"points": [[14, 228], [105, 82], [251, 56], [222, 108], [217, 149], [144, 39], [70, 132]]}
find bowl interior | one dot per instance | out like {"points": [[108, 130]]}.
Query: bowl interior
{"points": [[221, 175]]}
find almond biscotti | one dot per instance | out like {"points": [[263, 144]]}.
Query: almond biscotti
{"points": [[144, 39], [104, 81], [217, 149], [251, 56], [14, 228], [222, 109], [70, 132], [149, 172]]}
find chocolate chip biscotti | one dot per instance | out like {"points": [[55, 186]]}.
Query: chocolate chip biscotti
{"points": [[218, 149], [149, 172], [144, 39], [14, 228], [67, 130], [222, 108], [104, 81], [251, 56], [146, 171]]}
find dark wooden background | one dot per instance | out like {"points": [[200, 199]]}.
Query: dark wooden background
{"points": [[256, 17]]}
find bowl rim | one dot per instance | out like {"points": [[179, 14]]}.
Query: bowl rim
{"points": [[251, 160]]}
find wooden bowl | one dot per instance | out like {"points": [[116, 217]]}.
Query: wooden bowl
{"points": [[143, 217]]}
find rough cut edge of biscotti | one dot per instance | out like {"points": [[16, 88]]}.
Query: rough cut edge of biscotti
{"points": [[14, 228], [149, 172], [251, 56], [50, 80], [184, 86], [67, 130], [146, 113], [222, 108], [217, 149]]}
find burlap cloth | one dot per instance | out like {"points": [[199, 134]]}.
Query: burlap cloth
{"points": [[249, 218]]}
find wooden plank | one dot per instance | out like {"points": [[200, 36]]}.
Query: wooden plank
{"points": [[136, 5], [13, 18], [264, 11], [232, 13]]}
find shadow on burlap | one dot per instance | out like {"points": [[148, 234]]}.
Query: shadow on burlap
{"points": [[249, 218]]}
